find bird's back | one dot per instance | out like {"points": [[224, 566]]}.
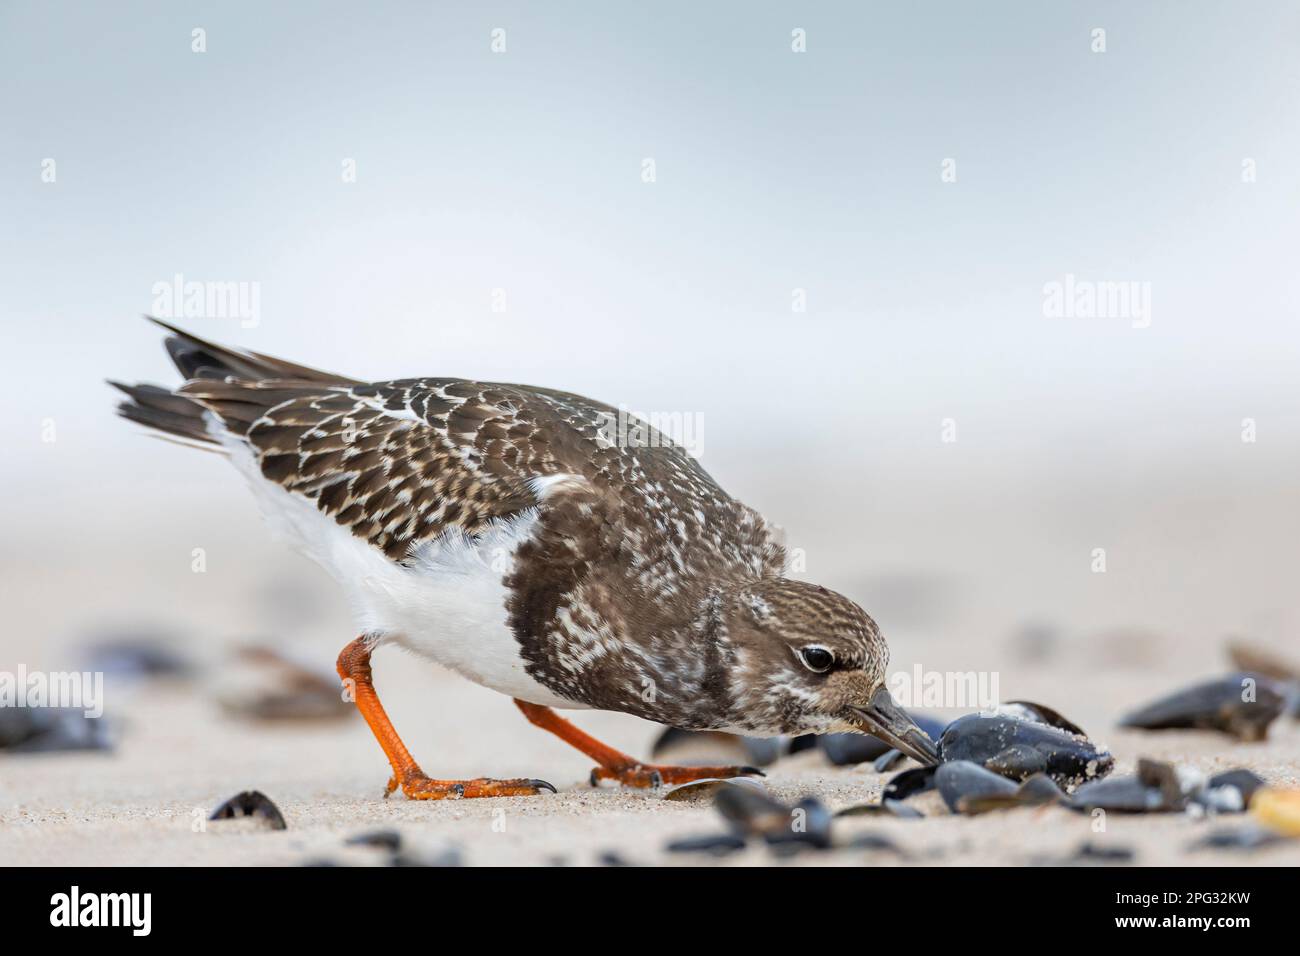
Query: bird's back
{"points": [[400, 463]]}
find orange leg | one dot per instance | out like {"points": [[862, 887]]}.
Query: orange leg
{"points": [[354, 668], [616, 765]]}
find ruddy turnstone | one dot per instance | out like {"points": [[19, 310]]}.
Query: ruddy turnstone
{"points": [[505, 532]]}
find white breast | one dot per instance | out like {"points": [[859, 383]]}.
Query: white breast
{"points": [[449, 605]]}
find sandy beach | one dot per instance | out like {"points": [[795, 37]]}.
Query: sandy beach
{"points": [[179, 753]]}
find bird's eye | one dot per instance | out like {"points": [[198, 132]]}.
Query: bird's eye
{"points": [[817, 658]]}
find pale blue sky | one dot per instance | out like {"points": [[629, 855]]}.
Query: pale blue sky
{"points": [[776, 171]]}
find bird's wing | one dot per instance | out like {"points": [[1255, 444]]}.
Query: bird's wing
{"points": [[399, 463]]}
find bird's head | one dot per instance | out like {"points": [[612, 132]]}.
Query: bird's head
{"points": [[811, 661]]}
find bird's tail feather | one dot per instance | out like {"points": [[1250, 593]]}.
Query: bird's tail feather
{"points": [[182, 415], [169, 413], [199, 358]]}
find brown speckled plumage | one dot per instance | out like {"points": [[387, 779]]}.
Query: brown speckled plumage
{"points": [[642, 587]]}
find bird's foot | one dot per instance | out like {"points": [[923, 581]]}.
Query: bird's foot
{"points": [[654, 775], [417, 786]]}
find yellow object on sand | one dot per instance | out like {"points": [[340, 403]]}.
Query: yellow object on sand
{"points": [[1277, 809]]}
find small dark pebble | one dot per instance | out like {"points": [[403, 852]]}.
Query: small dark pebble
{"points": [[1105, 854], [1248, 837], [755, 813], [1036, 791], [381, 839], [893, 808], [719, 844], [810, 825], [875, 841], [1087, 854], [33, 730], [138, 657], [613, 858], [1120, 795], [447, 858], [251, 803], [1245, 782]]}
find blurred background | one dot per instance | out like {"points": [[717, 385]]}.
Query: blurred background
{"points": [[411, 201]]}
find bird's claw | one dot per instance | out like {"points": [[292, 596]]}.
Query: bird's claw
{"points": [[649, 776], [417, 786]]}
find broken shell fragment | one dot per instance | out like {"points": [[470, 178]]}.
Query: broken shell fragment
{"points": [[1119, 795], [1277, 809], [251, 803], [1242, 781], [888, 760], [1242, 705], [909, 783]]}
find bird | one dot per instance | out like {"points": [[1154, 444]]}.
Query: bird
{"points": [[541, 544]]}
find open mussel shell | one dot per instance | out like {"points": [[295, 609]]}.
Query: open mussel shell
{"points": [[1036, 791], [1018, 748], [1242, 705], [1039, 713], [959, 779], [251, 803], [968, 788], [708, 789]]}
